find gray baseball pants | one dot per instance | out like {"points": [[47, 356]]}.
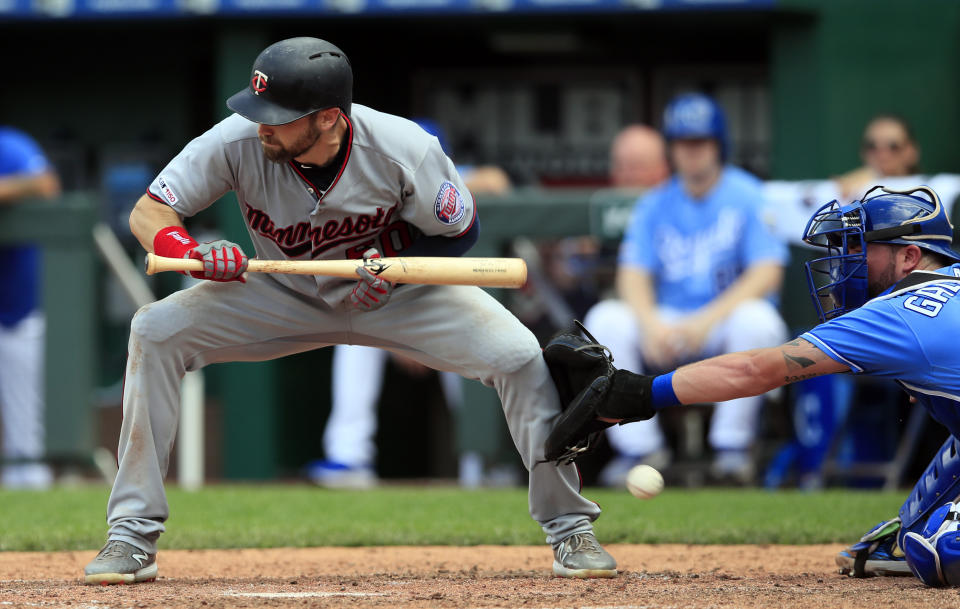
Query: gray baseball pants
{"points": [[457, 328]]}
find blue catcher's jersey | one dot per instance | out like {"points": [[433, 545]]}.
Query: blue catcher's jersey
{"points": [[19, 264], [909, 335], [693, 249]]}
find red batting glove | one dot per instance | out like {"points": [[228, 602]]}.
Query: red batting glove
{"points": [[372, 291], [222, 261]]}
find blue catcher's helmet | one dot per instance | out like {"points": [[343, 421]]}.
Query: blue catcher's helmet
{"points": [[933, 554], [694, 115], [838, 281]]}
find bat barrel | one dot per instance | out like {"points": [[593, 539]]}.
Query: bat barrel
{"points": [[483, 272]]}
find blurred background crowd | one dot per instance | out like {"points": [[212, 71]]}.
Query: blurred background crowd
{"points": [[557, 114]]}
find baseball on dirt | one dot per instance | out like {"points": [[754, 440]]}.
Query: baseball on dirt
{"points": [[644, 482]]}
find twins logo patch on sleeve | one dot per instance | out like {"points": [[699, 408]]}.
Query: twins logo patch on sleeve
{"points": [[449, 206], [168, 193]]}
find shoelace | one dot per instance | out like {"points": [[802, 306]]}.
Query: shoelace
{"points": [[112, 550], [584, 542]]}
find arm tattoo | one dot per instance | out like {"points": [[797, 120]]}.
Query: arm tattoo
{"points": [[799, 377], [793, 361]]}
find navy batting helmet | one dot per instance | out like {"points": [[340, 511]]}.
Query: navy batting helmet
{"points": [[293, 78], [838, 281], [694, 115]]}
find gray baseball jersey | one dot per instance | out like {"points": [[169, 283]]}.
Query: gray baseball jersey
{"points": [[394, 179], [394, 176]]}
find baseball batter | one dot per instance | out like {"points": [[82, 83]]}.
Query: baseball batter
{"points": [[318, 177]]}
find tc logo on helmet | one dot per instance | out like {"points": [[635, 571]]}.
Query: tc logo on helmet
{"points": [[259, 82]]}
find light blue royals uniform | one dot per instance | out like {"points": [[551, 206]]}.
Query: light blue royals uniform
{"points": [[693, 250], [19, 264], [22, 331], [909, 335]]}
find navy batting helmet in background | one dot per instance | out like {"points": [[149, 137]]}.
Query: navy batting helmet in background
{"points": [[293, 78], [694, 116]]}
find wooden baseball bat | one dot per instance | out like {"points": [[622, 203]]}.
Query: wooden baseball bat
{"points": [[484, 272]]}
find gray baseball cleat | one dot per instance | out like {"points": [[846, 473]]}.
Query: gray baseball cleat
{"points": [[581, 555], [121, 563]]}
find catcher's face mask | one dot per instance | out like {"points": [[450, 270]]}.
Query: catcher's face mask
{"points": [[837, 281]]}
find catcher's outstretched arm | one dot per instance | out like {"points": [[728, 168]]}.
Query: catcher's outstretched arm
{"points": [[748, 373], [623, 396]]}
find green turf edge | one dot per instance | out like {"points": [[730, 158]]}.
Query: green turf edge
{"points": [[299, 515]]}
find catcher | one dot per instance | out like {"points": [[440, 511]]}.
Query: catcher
{"points": [[886, 292]]}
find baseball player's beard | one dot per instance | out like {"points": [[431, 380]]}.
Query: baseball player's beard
{"points": [[884, 280], [278, 153]]}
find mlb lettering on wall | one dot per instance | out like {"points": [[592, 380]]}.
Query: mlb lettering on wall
{"points": [[543, 126]]}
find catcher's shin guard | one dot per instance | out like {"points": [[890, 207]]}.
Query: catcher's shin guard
{"points": [[939, 485], [933, 554]]}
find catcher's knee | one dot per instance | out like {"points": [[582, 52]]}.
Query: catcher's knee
{"points": [[933, 554]]}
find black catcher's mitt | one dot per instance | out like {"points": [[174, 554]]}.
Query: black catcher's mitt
{"points": [[590, 387]]}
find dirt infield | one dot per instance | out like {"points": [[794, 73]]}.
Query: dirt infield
{"points": [[484, 577]]}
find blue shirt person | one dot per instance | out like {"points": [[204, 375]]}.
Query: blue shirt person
{"points": [[901, 335], [698, 272], [25, 173], [695, 248], [887, 292]]}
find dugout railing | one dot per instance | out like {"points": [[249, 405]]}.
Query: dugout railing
{"points": [[63, 228]]}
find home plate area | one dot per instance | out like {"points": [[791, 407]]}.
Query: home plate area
{"points": [[478, 577]]}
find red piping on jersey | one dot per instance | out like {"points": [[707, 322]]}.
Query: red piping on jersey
{"points": [[476, 213], [123, 390], [156, 198], [343, 166], [312, 186]]}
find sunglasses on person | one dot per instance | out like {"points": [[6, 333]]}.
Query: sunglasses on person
{"points": [[891, 145]]}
